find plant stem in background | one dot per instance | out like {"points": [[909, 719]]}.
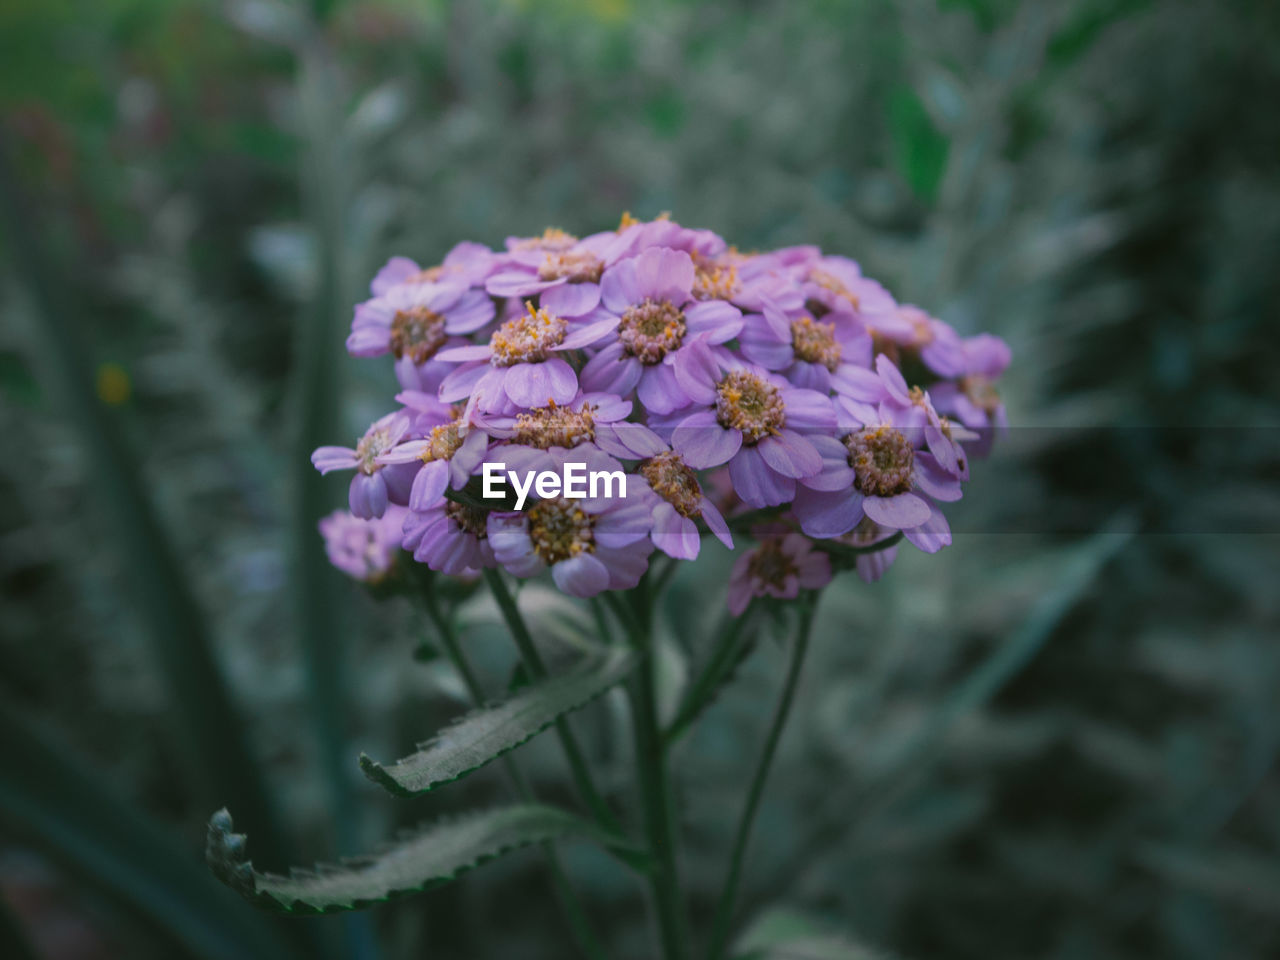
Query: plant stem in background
{"points": [[724, 909], [651, 774], [726, 653], [574, 913], [210, 738], [538, 670]]}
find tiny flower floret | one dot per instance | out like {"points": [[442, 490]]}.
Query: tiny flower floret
{"points": [[715, 281], [574, 266], [417, 333], [555, 426], [470, 519], [882, 459], [749, 403], [815, 342], [652, 329], [981, 392], [552, 239], [771, 565], [673, 480], [828, 282], [442, 442], [373, 445], [559, 530], [527, 338]]}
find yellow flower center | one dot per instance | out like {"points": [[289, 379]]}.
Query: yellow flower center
{"points": [[651, 330], [815, 342], [560, 530], [882, 459], [746, 402], [417, 333], [527, 338], [555, 426]]}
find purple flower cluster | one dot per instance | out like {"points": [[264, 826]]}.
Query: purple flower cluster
{"points": [[782, 386]]}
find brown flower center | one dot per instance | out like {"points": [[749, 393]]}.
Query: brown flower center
{"points": [[470, 519], [771, 564], [527, 338], [554, 426], [580, 267], [560, 530], [981, 392], [815, 342], [651, 330], [442, 443], [673, 480], [882, 459], [552, 239], [417, 333], [746, 402]]}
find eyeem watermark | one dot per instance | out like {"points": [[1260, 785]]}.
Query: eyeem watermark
{"points": [[576, 483]]}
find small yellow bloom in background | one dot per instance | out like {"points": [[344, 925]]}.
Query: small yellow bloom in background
{"points": [[114, 385]]}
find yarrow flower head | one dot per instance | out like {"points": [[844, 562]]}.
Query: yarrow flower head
{"points": [[714, 382], [364, 550]]}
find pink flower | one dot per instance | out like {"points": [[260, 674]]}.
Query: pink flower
{"points": [[372, 486], [521, 364], [657, 319], [750, 419], [780, 567], [363, 549]]}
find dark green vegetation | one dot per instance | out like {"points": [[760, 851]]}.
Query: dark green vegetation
{"points": [[1058, 738]]}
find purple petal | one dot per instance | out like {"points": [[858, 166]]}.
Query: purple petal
{"points": [[697, 371], [938, 483], [790, 455], [571, 299], [328, 459], [429, 485], [659, 389], [586, 334], [367, 497], [394, 271], [610, 372], [827, 514], [703, 443], [618, 287], [836, 474], [932, 535], [665, 274], [714, 321], [894, 383], [581, 576], [715, 523], [755, 483], [900, 512], [858, 384], [808, 409], [673, 534], [462, 382], [518, 284], [472, 311]]}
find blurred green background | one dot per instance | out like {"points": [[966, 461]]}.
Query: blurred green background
{"points": [[1057, 738]]}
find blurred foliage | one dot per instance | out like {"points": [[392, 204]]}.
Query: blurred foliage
{"points": [[1093, 180]]}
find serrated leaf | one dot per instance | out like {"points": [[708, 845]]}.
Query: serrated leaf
{"points": [[430, 857], [486, 734]]}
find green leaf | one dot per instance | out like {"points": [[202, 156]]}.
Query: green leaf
{"points": [[487, 734], [921, 151], [430, 857]]}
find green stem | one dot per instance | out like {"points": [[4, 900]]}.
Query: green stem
{"points": [[574, 912], [537, 670], [727, 652], [655, 791], [724, 909]]}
